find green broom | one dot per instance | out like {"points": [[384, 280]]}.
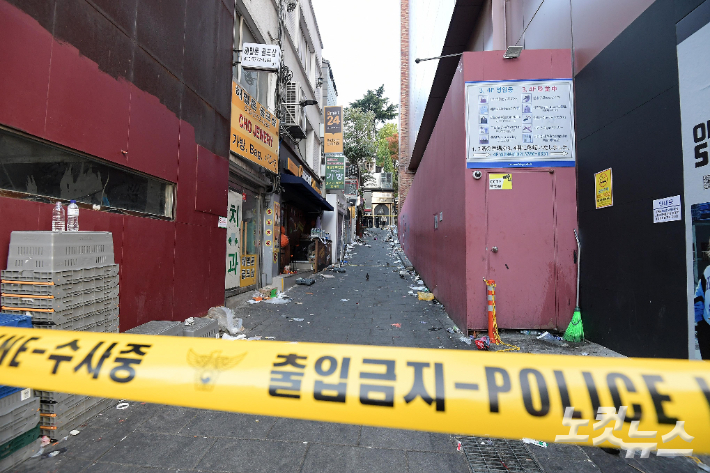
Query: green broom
{"points": [[575, 330]]}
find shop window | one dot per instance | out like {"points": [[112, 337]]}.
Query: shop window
{"points": [[37, 168]]}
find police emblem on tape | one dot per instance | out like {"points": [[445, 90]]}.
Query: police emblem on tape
{"points": [[208, 367]]}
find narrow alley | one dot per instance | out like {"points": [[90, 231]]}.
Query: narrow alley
{"points": [[343, 308]]}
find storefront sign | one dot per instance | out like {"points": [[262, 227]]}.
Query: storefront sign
{"points": [[260, 57], [500, 181], [234, 222], [351, 187], [519, 124], [334, 171], [666, 210], [248, 271], [603, 189], [294, 168], [255, 130], [333, 129]]}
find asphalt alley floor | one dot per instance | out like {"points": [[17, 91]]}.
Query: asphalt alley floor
{"points": [[345, 308]]}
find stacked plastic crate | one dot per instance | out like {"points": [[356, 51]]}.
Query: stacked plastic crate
{"points": [[64, 281], [19, 413]]}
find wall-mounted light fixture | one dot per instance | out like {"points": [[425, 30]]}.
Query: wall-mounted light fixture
{"points": [[418, 60], [512, 52]]}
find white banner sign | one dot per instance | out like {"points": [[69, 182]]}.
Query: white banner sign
{"points": [[260, 57], [519, 124]]}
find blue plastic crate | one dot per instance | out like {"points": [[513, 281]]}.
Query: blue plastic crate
{"points": [[13, 320], [7, 390]]}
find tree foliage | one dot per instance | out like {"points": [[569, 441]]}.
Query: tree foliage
{"points": [[359, 141], [374, 101]]}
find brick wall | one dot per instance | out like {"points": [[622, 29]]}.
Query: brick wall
{"points": [[405, 176]]}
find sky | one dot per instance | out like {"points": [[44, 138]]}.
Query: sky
{"points": [[361, 41]]}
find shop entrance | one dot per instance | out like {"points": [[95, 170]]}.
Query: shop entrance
{"points": [[520, 243]]}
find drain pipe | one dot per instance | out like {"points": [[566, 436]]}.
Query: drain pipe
{"points": [[579, 260], [499, 26]]}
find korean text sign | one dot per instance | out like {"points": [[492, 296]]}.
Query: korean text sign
{"points": [[335, 171], [519, 124], [255, 130], [333, 129], [260, 57]]}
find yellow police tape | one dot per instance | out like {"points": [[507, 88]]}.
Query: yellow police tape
{"points": [[507, 395]]}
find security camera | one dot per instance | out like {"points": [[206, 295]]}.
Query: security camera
{"points": [[477, 175]]}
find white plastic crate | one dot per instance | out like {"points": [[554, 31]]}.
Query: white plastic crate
{"points": [[58, 277], [19, 420], [158, 327], [201, 327], [32, 302], [63, 424], [60, 290], [13, 401], [59, 251], [49, 316], [90, 323]]}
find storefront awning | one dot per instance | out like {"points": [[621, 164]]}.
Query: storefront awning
{"points": [[299, 191]]}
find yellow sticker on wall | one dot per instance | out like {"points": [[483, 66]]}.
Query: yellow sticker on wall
{"points": [[500, 181], [603, 189]]}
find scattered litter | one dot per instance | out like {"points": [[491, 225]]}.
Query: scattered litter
{"points": [[226, 336], [418, 288], [252, 301], [549, 338], [453, 329], [396, 325], [466, 340], [74, 432], [225, 318], [54, 453], [280, 298], [530, 332], [344, 300], [39, 452], [434, 329], [539, 443], [310, 293], [411, 292], [441, 347], [45, 441], [305, 281], [425, 296], [299, 303], [122, 405], [422, 322], [584, 353], [328, 276], [458, 447], [258, 337], [483, 343], [295, 319], [189, 321], [270, 338]]}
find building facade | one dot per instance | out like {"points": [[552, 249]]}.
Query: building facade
{"points": [[641, 244], [122, 107]]}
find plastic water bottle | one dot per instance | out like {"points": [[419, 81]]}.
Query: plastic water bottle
{"points": [[58, 219], [73, 217]]}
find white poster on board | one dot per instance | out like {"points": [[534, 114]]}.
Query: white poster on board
{"points": [[519, 124], [693, 71]]}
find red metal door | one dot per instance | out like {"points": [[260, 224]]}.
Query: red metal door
{"points": [[521, 248]]}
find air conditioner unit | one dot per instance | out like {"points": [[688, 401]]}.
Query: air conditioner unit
{"points": [[294, 117]]}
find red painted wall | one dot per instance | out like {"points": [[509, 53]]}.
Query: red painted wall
{"points": [[453, 260], [439, 186], [168, 269]]}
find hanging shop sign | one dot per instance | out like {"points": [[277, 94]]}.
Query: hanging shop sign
{"points": [[334, 171], [294, 168], [333, 129], [255, 130], [519, 124], [351, 187], [603, 190], [234, 222], [260, 57], [500, 181]]}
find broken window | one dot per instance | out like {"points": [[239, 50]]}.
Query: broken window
{"points": [[33, 167]]}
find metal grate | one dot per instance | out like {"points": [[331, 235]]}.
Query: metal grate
{"points": [[491, 455]]}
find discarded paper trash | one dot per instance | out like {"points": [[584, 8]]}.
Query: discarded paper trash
{"points": [[539, 443], [425, 296]]}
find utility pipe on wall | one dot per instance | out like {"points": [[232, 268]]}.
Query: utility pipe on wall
{"points": [[498, 22]]}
